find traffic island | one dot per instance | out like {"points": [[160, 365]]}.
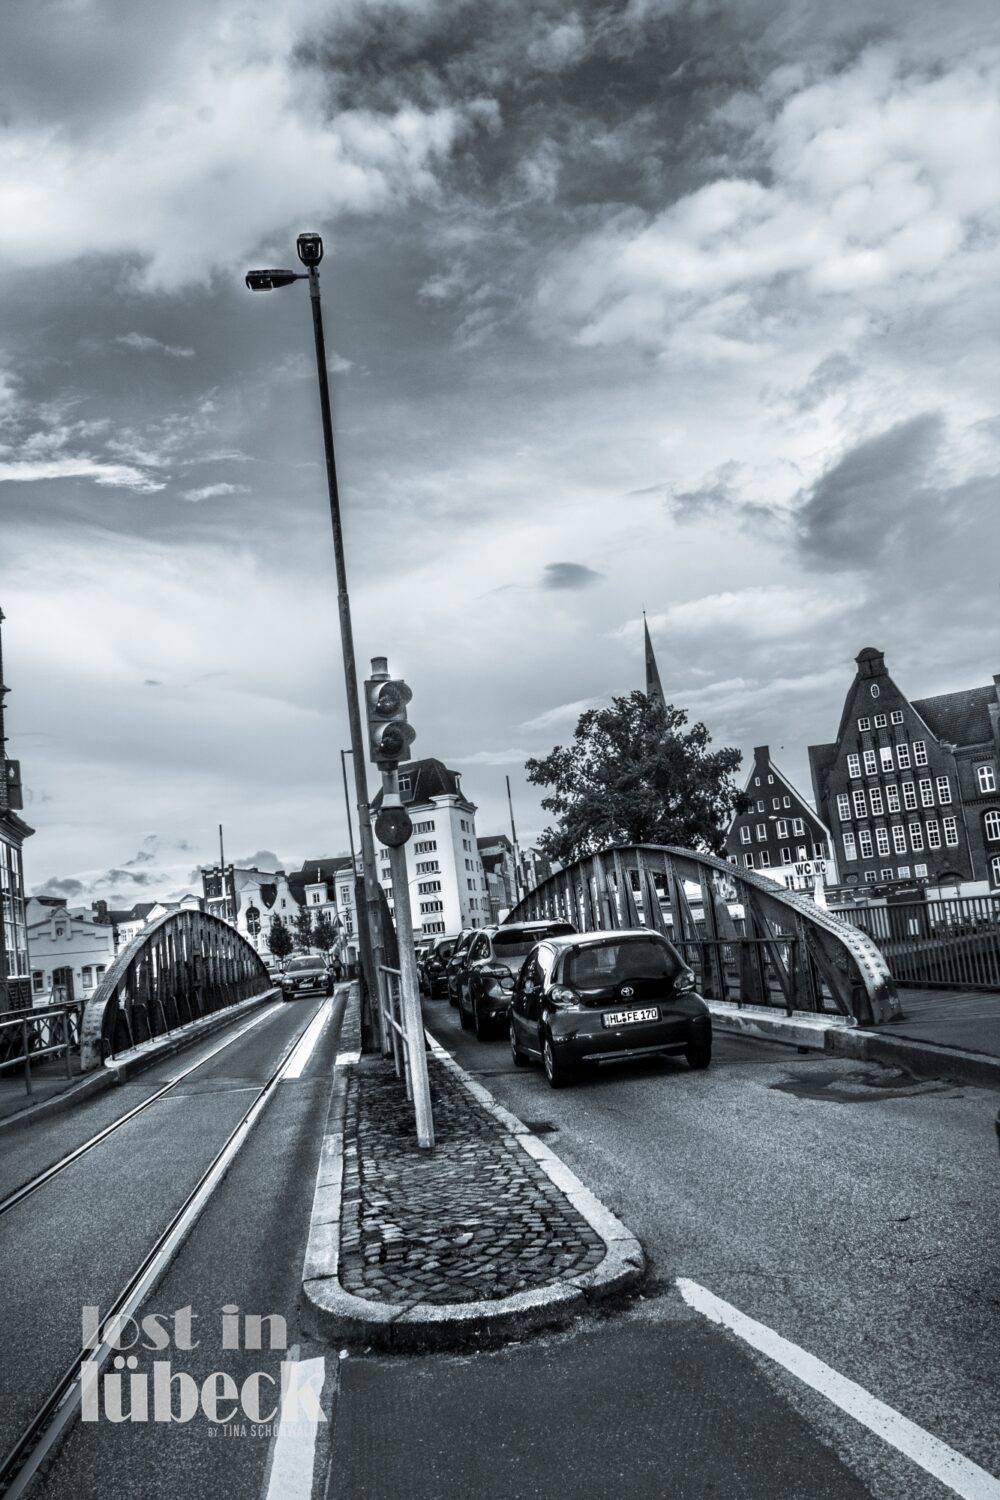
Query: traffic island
{"points": [[481, 1239]]}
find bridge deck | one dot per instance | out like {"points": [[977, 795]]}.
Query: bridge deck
{"points": [[950, 1018]]}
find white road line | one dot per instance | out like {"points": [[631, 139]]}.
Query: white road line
{"points": [[307, 1044], [293, 1455], [957, 1473]]}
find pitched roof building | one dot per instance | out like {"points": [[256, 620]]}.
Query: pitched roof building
{"points": [[780, 835]]}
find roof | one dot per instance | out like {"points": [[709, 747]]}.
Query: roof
{"points": [[428, 778], [960, 718], [604, 935]]}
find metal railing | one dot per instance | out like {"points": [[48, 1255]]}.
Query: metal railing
{"points": [[747, 938], [390, 985], [183, 966], [28, 1036], [953, 943]]}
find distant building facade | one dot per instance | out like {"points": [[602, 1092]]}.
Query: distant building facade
{"points": [[15, 967], [249, 898], [909, 788], [448, 887], [71, 950], [780, 835], [497, 855]]}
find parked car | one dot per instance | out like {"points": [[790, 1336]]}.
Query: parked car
{"points": [[421, 948], [458, 952], [485, 977], [306, 976], [435, 965], [602, 997]]}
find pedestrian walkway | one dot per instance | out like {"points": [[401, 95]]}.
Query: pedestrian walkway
{"points": [[48, 1080], [967, 1019]]}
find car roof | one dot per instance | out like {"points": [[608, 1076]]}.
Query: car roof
{"points": [[536, 924], [575, 939]]}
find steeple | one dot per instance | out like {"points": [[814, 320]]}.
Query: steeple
{"points": [[653, 687]]}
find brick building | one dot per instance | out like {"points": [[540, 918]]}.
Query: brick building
{"points": [[780, 835], [909, 788]]}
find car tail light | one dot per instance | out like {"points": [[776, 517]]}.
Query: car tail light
{"points": [[561, 994], [684, 983]]}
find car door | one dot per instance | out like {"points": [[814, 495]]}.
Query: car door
{"points": [[525, 1008], [479, 951]]}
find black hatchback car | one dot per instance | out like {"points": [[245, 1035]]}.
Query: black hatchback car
{"points": [[485, 979], [462, 944], [434, 965], [602, 997]]}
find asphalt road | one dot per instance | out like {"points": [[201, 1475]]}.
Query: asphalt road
{"points": [[846, 1208], [76, 1241]]}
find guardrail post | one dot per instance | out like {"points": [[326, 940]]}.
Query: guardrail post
{"points": [[27, 1060]]}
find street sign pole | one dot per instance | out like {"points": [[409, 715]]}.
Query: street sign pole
{"points": [[409, 983]]}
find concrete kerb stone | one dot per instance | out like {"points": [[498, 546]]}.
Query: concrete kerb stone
{"points": [[119, 1070], [763, 1024], [338, 1315]]}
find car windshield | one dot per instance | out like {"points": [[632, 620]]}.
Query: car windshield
{"points": [[514, 943], [444, 950], [303, 965], [599, 964]]}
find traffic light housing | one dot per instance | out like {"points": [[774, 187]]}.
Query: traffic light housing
{"points": [[389, 735]]}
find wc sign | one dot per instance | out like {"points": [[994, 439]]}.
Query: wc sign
{"points": [[810, 867]]}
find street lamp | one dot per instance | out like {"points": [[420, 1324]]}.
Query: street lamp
{"points": [[310, 252]]}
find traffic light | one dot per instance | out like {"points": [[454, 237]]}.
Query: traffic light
{"points": [[389, 735]]}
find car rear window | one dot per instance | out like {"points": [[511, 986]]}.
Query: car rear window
{"points": [[444, 950], [516, 942], [600, 964]]}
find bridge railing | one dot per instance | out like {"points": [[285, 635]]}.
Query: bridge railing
{"points": [[183, 966], [953, 943], [748, 939], [32, 1035]]}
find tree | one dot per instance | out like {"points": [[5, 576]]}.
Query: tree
{"points": [[324, 933], [634, 776], [303, 923], [279, 939]]}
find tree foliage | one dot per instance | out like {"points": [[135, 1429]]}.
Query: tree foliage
{"points": [[303, 924], [635, 775], [324, 932], [279, 939]]}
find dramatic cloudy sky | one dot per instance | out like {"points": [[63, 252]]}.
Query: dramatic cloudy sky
{"points": [[663, 304]]}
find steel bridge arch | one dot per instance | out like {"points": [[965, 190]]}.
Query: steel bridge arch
{"points": [[788, 950], [181, 967]]}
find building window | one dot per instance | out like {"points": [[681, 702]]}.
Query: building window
{"points": [[756, 781], [405, 784], [882, 840], [896, 717], [37, 981], [871, 877], [748, 861], [850, 849], [864, 724], [876, 796], [427, 886], [987, 778], [880, 721], [860, 805], [871, 763], [885, 874], [991, 826], [899, 838], [903, 872], [819, 851], [786, 801], [885, 756], [892, 798], [425, 846], [770, 781], [875, 689], [315, 897], [995, 869], [916, 837], [903, 757], [909, 795], [798, 826], [760, 806], [951, 832], [761, 832], [781, 828], [865, 842], [87, 975], [919, 753], [843, 806], [745, 834], [426, 866], [775, 803], [926, 792], [854, 765], [427, 826], [785, 855], [920, 871], [933, 834], [801, 852], [99, 973], [426, 906], [765, 858]]}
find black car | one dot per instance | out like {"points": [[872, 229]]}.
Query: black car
{"points": [[434, 965], [602, 997], [306, 976], [462, 944], [485, 978]]}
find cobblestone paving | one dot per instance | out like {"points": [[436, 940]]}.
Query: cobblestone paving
{"points": [[475, 1218]]}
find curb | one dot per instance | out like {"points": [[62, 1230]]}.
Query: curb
{"points": [[841, 1038], [120, 1070], [338, 1315]]}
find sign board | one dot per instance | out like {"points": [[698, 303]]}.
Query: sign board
{"points": [[810, 867]]}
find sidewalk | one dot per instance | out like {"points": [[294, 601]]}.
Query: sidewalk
{"points": [[485, 1236]]}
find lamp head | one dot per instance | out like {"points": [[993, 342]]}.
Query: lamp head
{"points": [[310, 248], [266, 281]]}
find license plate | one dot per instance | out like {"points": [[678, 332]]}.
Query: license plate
{"points": [[630, 1017]]}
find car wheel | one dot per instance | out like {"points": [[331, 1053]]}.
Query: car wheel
{"points": [[484, 1028], [521, 1059], [699, 1052], [465, 1019], [453, 999], [555, 1071]]}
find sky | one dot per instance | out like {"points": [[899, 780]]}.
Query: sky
{"points": [[661, 305]]}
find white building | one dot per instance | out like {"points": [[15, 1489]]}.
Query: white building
{"points": [[258, 895], [70, 950], [448, 888]]}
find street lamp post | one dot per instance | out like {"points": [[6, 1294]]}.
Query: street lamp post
{"points": [[310, 252]]}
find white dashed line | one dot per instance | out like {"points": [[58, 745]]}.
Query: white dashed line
{"points": [[954, 1470]]}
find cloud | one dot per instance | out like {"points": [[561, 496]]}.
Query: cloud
{"points": [[146, 345], [564, 713], [762, 613], [493, 758], [215, 491], [66, 889], [79, 466], [569, 575], [152, 682]]}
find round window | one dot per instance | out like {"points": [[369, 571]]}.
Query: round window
{"points": [[874, 689]]}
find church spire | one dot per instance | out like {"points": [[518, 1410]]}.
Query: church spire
{"points": [[653, 687]]}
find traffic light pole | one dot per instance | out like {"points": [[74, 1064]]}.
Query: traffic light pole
{"points": [[371, 916], [409, 983]]}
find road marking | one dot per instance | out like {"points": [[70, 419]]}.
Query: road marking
{"points": [[307, 1043], [293, 1455], [958, 1473]]}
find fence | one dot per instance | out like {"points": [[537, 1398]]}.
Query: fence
{"points": [[391, 1004], [954, 943], [28, 1036]]}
